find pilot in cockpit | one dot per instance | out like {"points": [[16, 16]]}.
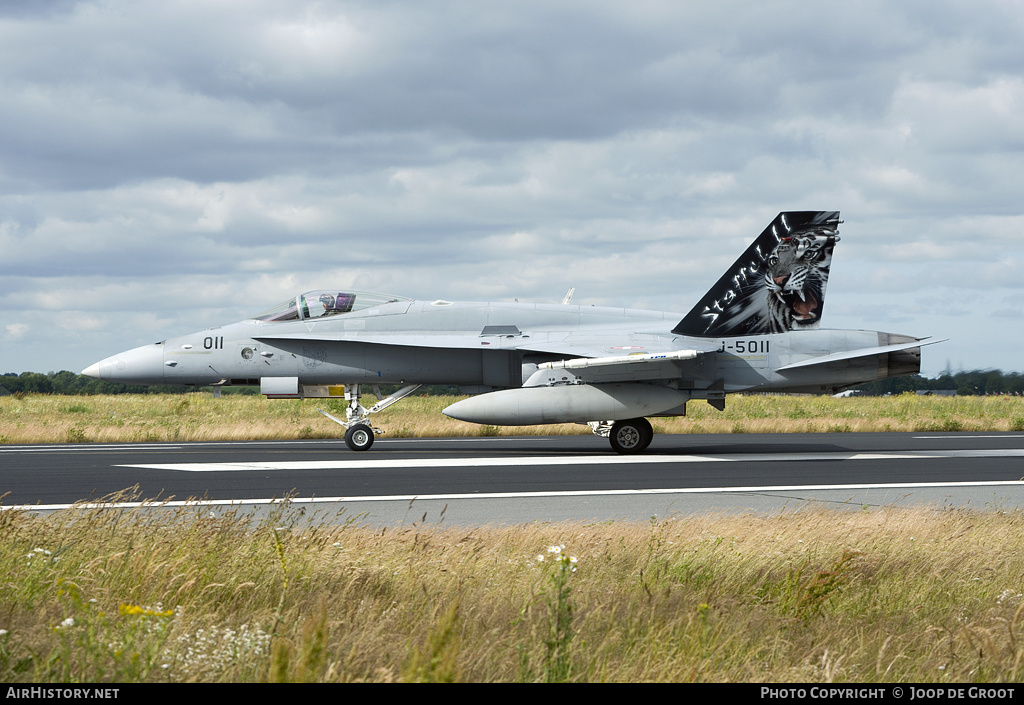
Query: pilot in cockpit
{"points": [[327, 301]]}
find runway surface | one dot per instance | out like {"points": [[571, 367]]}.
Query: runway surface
{"points": [[550, 478]]}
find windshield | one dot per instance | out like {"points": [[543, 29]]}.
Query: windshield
{"points": [[325, 302]]}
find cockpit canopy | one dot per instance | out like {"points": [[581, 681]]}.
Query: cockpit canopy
{"points": [[314, 305]]}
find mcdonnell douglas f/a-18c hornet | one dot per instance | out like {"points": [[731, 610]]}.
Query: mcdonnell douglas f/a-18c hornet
{"points": [[756, 330]]}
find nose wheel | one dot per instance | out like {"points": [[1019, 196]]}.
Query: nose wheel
{"points": [[359, 437], [358, 432]]}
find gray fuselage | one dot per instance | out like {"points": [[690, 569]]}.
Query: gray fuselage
{"points": [[487, 346]]}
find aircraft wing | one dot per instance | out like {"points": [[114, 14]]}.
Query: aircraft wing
{"points": [[591, 358], [612, 345], [560, 345], [425, 340]]}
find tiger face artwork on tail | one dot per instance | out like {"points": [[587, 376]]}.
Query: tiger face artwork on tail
{"points": [[777, 285], [795, 279]]}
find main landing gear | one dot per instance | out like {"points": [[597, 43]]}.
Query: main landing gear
{"points": [[627, 437], [358, 431]]}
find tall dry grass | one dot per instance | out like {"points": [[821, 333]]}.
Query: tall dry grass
{"points": [[201, 417], [813, 596]]}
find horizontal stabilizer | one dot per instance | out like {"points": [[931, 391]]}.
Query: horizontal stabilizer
{"points": [[854, 354]]}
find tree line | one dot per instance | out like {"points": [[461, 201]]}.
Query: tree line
{"points": [[70, 383], [969, 382], [964, 383]]}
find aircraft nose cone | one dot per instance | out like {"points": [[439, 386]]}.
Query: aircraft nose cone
{"points": [[143, 365]]}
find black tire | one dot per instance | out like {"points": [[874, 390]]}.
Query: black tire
{"points": [[359, 437], [648, 433], [631, 436]]}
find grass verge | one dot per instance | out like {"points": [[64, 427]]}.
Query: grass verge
{"points": [[201, 417], [812, 596]]}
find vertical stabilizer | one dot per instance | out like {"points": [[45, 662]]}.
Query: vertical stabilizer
{"points": [[777, 285]]}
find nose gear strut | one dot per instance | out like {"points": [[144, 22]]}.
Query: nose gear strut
{"points": [[358, 431]]}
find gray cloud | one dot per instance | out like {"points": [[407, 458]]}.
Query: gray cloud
{"points": [[169, 166]]}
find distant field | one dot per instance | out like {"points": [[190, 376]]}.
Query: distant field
{"points": [[201, 417]]}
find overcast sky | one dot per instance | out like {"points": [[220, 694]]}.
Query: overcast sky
{"points": [[169, 166]]}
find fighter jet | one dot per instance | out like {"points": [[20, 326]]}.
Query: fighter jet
{"points": [[756, 330]]}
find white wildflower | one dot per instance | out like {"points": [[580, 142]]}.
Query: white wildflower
{"points": [[1006, 596]]}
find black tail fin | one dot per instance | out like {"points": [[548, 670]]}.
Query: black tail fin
{"points": [[777, 285]]}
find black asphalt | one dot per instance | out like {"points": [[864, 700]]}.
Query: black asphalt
{"points": [[69, 473]]}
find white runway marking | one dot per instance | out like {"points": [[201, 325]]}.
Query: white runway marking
{"points": [[608, 459], [971, 437], [355, 462], [755, 489]]}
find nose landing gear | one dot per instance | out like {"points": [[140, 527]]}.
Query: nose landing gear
{"points": [[359, 437], [358, 431]]}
